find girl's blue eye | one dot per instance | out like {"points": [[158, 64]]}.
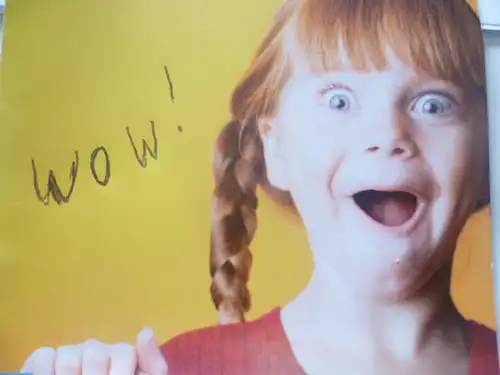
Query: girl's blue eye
{"points": [[433, 105], [340, 101]]}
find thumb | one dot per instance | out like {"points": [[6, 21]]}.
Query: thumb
{"points": [[150, 358]]}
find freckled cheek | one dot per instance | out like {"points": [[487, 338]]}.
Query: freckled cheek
{"points": [[312, 143], [454, 173], [312, 163]]}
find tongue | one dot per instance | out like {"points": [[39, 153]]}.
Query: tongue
{"points": [[392, 210]]}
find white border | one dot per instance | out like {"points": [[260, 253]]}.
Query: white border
{"points": [[489, 12], [490, 27], [492, 53]]}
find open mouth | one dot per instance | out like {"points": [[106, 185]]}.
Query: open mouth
{"points": [[389, 208]]}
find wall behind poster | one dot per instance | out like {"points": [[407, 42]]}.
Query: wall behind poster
{"points": [[134, 253]]}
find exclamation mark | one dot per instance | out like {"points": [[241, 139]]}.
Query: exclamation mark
{"points": [[170, 85], [172, 93]]}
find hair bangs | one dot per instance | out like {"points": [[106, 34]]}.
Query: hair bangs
{"points": [[441, 38]]}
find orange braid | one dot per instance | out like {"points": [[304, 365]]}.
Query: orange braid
{"points": [[237, 168]]}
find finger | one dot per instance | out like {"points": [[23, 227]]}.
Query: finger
{"points": [[41, 362], [150, 358], [95, 358], [123, 359], [68, 360]]}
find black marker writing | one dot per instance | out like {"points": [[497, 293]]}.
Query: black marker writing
{"points": [[170, 85], [172, 93], [143, 160], [53, 188], [107, 175], [102, 178]]}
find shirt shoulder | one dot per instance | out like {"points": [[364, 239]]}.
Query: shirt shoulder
{"points": [[259, 347], [484, 350], [206, 350]]}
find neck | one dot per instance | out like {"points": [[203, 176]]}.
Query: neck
{"points": [[404, 328]]}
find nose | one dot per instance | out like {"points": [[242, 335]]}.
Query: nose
{"points": [[393, 143]]}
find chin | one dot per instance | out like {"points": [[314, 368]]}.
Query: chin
{"points": [[391, 270]]}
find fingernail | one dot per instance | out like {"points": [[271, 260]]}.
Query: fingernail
{"points": [[146, 335]]}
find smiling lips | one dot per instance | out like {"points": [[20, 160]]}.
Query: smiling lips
{"points": [[388, 208]]}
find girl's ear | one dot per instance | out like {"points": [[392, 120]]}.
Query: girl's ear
{"points": [[274, 162]]}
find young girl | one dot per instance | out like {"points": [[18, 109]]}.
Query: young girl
{"points": [[367, 117]]}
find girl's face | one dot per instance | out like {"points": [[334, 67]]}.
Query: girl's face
{"points": [[384, 168]]}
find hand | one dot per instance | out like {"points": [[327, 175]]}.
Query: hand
{"points": [[96, 358]]}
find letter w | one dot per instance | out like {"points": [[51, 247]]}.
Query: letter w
{"points": [[53, 188], [142, 159]]}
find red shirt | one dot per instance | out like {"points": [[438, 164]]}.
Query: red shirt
{"points": [[261, 347]]}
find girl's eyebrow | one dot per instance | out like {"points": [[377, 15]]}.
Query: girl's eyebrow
{"points": [[424, 81], [334, 85]]}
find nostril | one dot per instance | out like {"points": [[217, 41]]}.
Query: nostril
{"points": [[398, 151], [394, 149]]}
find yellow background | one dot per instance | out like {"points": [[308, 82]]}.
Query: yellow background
{"points": [[474, 4], [134, 254]]}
